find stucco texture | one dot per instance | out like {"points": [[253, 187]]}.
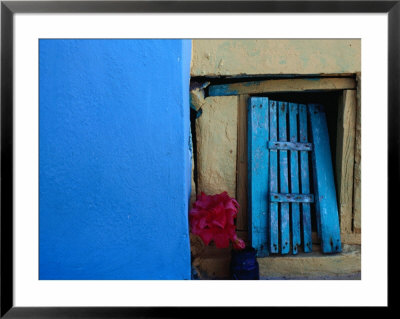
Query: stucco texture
{"points": [[216, 135], [266, 57], [114, 173]]}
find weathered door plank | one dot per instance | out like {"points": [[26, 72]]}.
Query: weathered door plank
{"points": [[304, 176], [291, 198], [290, 146], [258, 172], [345, 158], [241, 177], [273, 182], [324, 182], [294, 178], [284, 180], [357, 165]]}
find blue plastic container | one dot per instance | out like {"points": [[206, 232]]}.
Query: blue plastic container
{"points": [[244, 265]]}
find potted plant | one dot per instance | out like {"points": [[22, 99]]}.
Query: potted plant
{"points": [[212, 218]]}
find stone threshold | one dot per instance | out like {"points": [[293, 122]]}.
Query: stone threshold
{"points": [[313, 266]]}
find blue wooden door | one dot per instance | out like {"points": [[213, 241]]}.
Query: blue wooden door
{"points": [[279, 178]]}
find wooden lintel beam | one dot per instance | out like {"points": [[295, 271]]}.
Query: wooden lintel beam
{"points": [[283, 85]]}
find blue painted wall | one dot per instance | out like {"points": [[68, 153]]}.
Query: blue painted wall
{"points": [[114, 172]]}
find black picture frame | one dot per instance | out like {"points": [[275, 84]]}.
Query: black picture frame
{"points": [[9, 8]]}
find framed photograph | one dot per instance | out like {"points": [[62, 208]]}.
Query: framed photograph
{"points": [[158, 156]]}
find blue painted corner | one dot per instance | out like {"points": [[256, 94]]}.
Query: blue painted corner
{"points": [[114, 171]]}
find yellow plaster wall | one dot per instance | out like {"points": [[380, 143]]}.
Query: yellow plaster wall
{"points": [[265, 57], [216, 135]]}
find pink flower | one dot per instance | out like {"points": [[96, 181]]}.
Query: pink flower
{"points": [[239, 244], [213, 219]]}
